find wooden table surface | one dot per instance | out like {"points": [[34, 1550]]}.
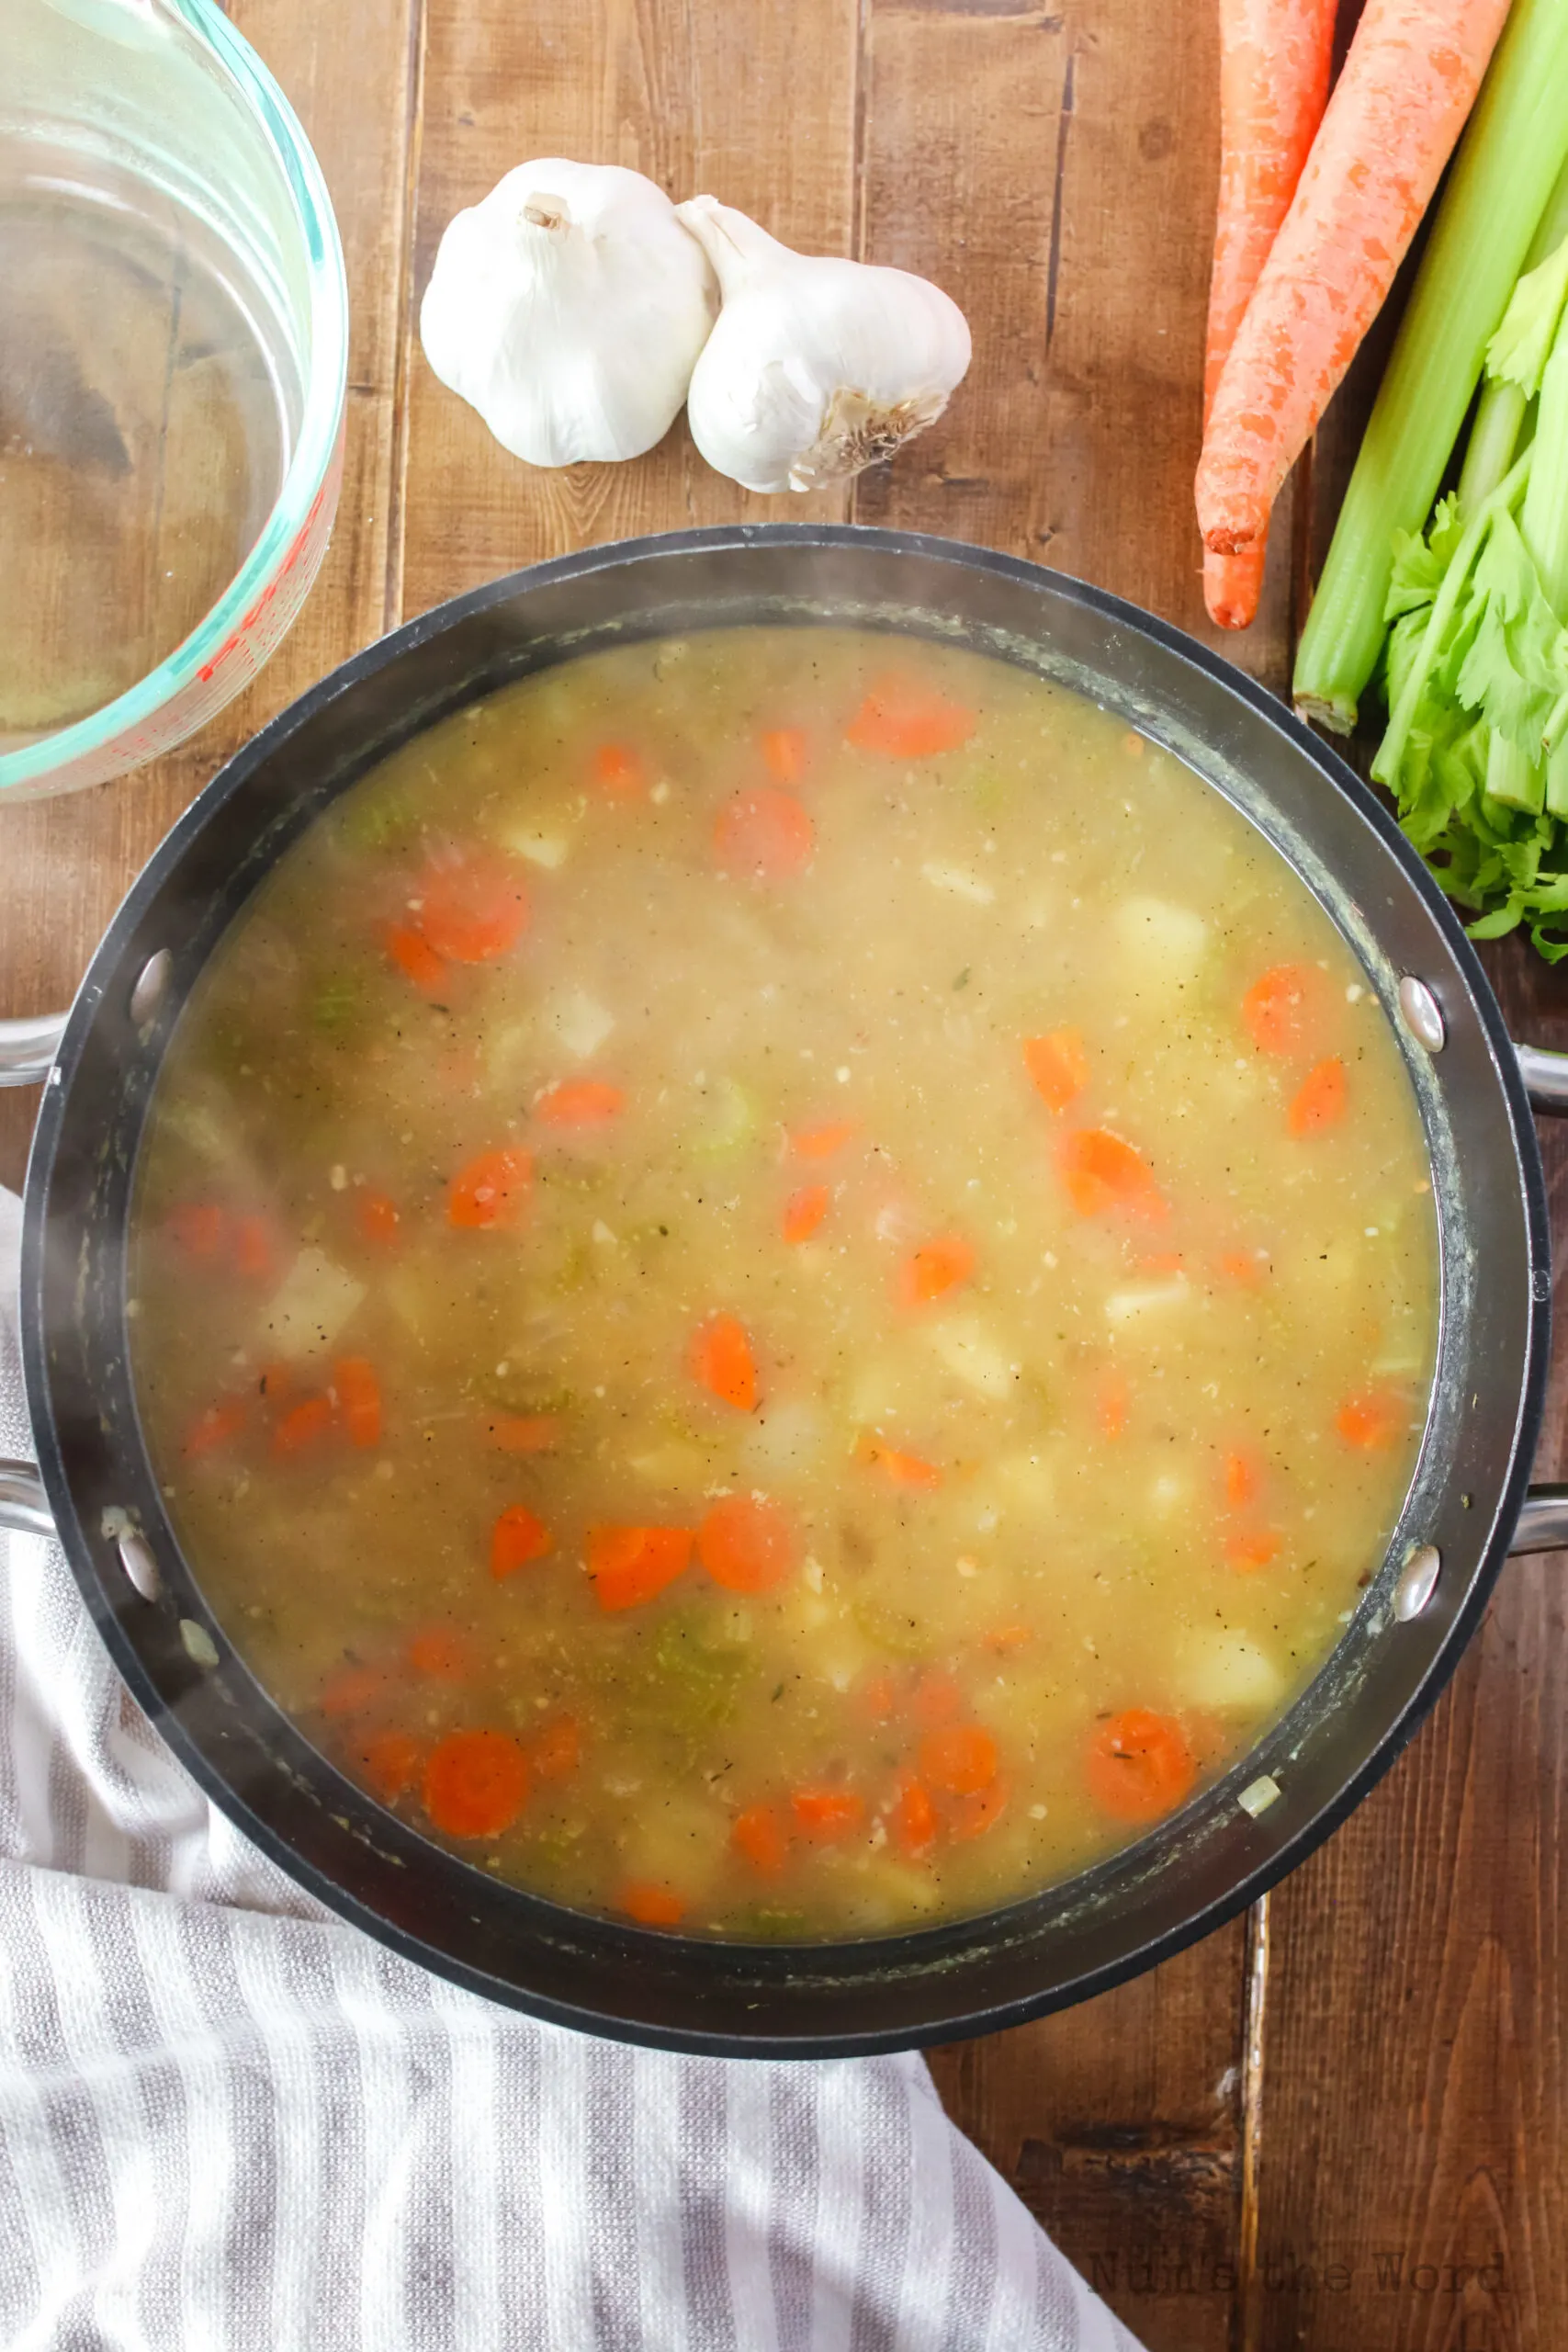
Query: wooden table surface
{"points": [[1341, 2122]]}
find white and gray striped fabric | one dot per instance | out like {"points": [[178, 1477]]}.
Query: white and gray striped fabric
{"points": [[229, 2123]]}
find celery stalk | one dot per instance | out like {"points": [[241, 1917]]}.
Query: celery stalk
{"points": [[1391, 750], [1512, 153], [1492, 442], [1543, 521], [1544, 517], [1493, 437], [1513, 778]]}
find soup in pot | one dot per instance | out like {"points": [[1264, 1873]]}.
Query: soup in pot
{"points": [[784, 1284]]}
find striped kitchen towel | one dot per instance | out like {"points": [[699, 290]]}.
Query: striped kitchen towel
{"points": [[229, 2123]]}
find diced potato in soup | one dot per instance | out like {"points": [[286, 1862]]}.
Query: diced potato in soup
{"points": [[784, 1287]]}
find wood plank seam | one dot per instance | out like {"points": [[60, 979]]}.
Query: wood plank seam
{"points": [[417, 47], [1255, 2011]]}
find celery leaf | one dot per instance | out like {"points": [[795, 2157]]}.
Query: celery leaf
{"points": [[1519, 349], [1515, 664]]}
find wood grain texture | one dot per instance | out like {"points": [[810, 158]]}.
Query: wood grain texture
{"points": [[65, 864], [755, 103], [1120, 2125], [1413, 2194], [1057, 172]]}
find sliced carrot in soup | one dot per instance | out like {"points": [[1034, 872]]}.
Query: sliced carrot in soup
{"points": [[1282, 1009], [1058, 1066], [360, 1400], [649, 1905], [555, 1747], [747, 1543], [217, 1427], [827, 1814], [620, 772], [784, 752], [354, 1689], [439, 1653], [914, 1816], [760, 1837], [492, 1191], [972, 1815], [391, 1761], [1105, 1175], [720, 1360], [476, 1783], [936, 1698], [804, 1212], [1139, 1766], [304, 1426], [959, 1758], [378, 1218], [581, 1103], [903, 719], [1371, 1420], [1320, 1103], [936, 1268], [824, 1142], [518, 1538], [629, 1565], [1241, 1478], [900, 1469], [416, 959], [473, 908], [764, 835], [255, 1252], [526, 1432]]}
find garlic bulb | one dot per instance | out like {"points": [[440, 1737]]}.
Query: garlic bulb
{"points": [[568, 308], [817, 368]]}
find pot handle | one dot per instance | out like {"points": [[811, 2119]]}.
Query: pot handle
{"points": [[1546, 1078], [27, 1048], [1543, 1523], [23, 1510]]}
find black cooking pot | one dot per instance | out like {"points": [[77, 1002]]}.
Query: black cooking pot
{"points": [[1466, 1506]]}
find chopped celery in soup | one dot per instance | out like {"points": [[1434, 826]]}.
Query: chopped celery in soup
{"points": [[785, 1283]]}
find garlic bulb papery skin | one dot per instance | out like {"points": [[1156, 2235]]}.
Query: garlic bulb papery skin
{"points": [[817, 368], [568, 308]]}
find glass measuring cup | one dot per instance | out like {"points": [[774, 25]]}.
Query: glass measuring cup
{"points": [[174, 322]]}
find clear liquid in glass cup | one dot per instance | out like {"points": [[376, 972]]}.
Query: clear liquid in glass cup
{"points": [[144, 435], [171, 357]]}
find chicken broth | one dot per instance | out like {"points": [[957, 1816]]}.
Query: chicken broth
{"points": [[784, 1283]]}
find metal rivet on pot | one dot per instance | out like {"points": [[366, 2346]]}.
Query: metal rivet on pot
{"points": [[1419, 1011], [1418, 1581], [152, 981], [136, 1559]]}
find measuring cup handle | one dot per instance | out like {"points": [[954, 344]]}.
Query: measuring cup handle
{"points": [[1543, 1522], [28, 1047]]}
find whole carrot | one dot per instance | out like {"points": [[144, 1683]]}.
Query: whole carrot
{"points": [[1274, 65], [1399, 106]]}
